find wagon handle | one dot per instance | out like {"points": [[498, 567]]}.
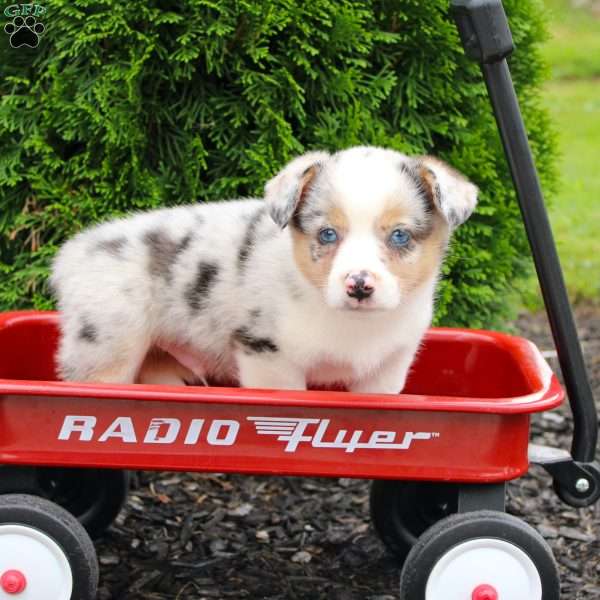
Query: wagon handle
{"points": [[486, 38]]}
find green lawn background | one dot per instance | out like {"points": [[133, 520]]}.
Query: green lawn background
{"points": [[573, 99]]}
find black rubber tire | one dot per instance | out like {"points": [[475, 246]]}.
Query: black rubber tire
{"points": [[402, 510], [64, 529], [455, 529], [94, 496]]}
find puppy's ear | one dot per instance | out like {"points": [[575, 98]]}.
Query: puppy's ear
{"points": [[450, 191], [287, 189]]}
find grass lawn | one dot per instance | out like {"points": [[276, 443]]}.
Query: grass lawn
{"points": [[574, 49], [575, 212], [573, 99]]}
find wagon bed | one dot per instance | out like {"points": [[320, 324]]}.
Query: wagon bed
{"points": [[463, 416]]}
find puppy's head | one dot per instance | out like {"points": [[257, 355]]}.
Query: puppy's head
{"points": [[369, 226]]}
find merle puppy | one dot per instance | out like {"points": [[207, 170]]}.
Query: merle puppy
{"points": [[328, 280]]}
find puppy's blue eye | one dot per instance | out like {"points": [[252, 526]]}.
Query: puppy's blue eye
{"points": [[328, 236], [399, 237]]}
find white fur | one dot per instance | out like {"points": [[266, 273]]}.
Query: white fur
{"points": [[363, 199], [114, 309]]}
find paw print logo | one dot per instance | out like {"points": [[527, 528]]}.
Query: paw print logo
{"points": [[24, 31]]}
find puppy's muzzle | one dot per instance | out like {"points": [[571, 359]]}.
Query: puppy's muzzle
{"points": [[360, 285]]}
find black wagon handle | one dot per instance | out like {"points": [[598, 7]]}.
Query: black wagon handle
{"points": [[486, 38]]}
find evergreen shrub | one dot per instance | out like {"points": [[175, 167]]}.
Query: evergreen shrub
{"points": [[134, 105]]}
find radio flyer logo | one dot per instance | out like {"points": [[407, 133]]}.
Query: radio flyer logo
{"points": [[294, 431], [25, 27]]}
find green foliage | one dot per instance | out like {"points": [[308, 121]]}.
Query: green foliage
{"points": [[129, 106]]}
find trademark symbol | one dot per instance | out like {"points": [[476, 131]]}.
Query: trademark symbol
{"points": [[435, 434]]}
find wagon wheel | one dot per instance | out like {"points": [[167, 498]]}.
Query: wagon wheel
{"points": [[46, 553], [93, 496], [402, 510], [483, 555]]}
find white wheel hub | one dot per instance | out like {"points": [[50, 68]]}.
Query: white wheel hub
{"points": [[40, 559], [484, 561]]}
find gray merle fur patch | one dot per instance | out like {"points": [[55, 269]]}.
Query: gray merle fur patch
{"points": [[163, 251], [114, 247], [411, 172], [198, 291], [88, 332], [254, 343], [281, 213], [249, 238]]}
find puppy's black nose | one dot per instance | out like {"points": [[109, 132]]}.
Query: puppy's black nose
{"points": [[358, 287]]}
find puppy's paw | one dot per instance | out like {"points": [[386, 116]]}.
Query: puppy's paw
{"points": [[267, 371]]}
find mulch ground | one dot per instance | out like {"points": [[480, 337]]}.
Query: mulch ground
{"points": [[195, 536]]}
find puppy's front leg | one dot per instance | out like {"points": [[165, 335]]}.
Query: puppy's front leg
{"points": [[389, 378], [268, 370]]}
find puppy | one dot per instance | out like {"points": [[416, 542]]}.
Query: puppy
{"points": [[328, 281]]}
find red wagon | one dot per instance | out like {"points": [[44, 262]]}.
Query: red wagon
{"points": [[439, 453], [463, 417], [479, 382]]}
